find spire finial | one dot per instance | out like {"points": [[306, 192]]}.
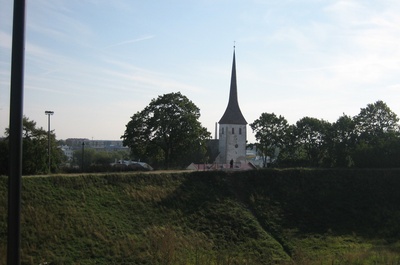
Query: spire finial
{"points": [[234, 44]]}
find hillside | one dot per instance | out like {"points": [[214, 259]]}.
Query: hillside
{"points": [[294, 216]]}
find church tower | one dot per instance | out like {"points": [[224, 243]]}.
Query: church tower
{"points": [[232, 126]]}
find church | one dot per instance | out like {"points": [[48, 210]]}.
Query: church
{"points": [[230, 147], [232, 127]]}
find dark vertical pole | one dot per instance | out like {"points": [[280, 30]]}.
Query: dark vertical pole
{"points": [[48, 142], [48, 113], [83, 156], [16, 127]]}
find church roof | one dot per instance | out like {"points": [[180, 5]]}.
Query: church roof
{"points": [[232, 114]]}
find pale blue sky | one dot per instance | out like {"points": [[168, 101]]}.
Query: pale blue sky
{"points": [[97, 62]]}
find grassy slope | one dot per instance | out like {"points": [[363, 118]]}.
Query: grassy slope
{"points": [[255, 217]]}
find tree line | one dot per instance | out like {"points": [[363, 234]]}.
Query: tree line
{"points": [[168, 134], [369, 139]]}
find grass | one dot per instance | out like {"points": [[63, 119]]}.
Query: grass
{"points": [[255, 217]]}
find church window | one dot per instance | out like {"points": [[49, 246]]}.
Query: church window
{"points": [[240, 130], [222, 130], [233, 130]]}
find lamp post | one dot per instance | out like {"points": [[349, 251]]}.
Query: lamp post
{"points": [[83, 155], [48, 113]]}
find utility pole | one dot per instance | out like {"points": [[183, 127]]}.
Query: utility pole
{"points": [[16, 128], [49, 113]]}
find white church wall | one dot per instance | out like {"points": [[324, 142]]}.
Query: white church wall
{"points": [[232, 143]]}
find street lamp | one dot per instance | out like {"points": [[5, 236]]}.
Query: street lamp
{"points": [[48, 113], [83, 155]]}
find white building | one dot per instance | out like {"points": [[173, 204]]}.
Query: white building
{"points": [[68, 152]]}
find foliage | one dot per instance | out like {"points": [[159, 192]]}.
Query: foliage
{"points": [[167, 132], [377, 142], [369, 139], [312, 135], [92, 157], [343, 141], [97, 161], [270, 132], [292, 155], [35, 159], [376, 121], [385, 152]]}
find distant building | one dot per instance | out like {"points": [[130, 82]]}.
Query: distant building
{"points": [[68, 152], [103, 145], [107, 145], [76, 143]]}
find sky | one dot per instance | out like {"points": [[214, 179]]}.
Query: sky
{"points": [[95, 63]]}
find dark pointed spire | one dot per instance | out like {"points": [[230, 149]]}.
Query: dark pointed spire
{"points": [[232, 114]]}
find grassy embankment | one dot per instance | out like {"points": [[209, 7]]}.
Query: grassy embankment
{"points": [[256, 217]]}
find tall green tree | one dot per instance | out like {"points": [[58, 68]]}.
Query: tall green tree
{"points": [[375, 121], [35, 150], [378, 137], [312, 135], [292, 154], [270, 133], [343, 141], [167, 132]]}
